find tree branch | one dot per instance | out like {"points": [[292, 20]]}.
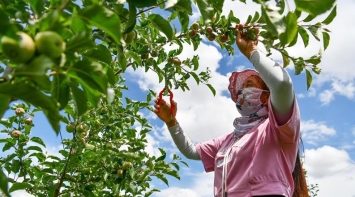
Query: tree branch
{"points": [[62, 176]]}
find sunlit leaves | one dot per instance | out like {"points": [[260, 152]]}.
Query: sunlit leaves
{"points": [[3, 184], [331, 16], [326, 40], [304, 35], [19, 186], [33, 95], [274, 20], [105, 19], [315, 7], [160, 23], [206, 10], [182, 5], [4, 103], [309, 79], [291, 29], [131, 20]]}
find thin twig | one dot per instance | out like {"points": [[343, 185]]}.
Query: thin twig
{"points": [[65, 3], [61, 180], [150, 8]]}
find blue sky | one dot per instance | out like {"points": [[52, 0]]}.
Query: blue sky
{"points": [[328, 126]]}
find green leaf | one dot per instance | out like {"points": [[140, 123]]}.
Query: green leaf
{"points": [[314, 7], [131, 19], [99, 53], [183, 5], [194, 75], [163, 155], [15, 165], [294, 41], [309, 79], [32, 95], [304, 35], [80, 41], [248, 19], [286, 60], [163, 178], [4, 104], [274, 20], [315, 32], [77, 24], [7, 146], [331, 16], [309, 18], [104, 19], [326, 39], [37, 6], [281, 5], [195, 62], [38, 141], [291, 29], [135, 57], [40, 156], [79, 99], [60, 90], [3, 183], [184, 20], [90, 75], [19, 186], [142, 4], [255, 17], [316, 69], [64, 153], [299, 65], [36, 71], [206, 10], [217, 5], [163, 25], [212, 89], [36, 148]]}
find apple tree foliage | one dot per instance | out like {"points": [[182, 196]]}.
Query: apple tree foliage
{"points": [[66, 59]]}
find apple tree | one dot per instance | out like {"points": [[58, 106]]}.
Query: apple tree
{"points": [[66, 59]]}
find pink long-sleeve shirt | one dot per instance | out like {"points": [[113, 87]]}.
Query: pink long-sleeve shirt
{"points": [[260, 163]]}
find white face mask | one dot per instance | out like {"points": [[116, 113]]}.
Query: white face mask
{"points": [[248, 101]]}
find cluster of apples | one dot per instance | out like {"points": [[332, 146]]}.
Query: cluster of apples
{"points": [[25, 49], [211, 36], [28, 121]]}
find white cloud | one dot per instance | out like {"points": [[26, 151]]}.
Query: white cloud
{"points": [[300, 95], [326, 96], [313, 132], [338, 87], [332, 169]]}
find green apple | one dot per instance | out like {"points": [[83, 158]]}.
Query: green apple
{"points": [[15, 133], [28, 121], [18, 51], [70, 128], [127, 165], [195, 26], [130, 37], [50, 44], [19, 111]]}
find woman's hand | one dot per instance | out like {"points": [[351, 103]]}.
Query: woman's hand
{"points": [[245, 44], [165, 113]]}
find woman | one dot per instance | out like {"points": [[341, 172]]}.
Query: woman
{"points": [[260, 157]]}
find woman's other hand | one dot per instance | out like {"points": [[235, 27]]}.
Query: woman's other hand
{"points": [[164, 113], [245, 44]]}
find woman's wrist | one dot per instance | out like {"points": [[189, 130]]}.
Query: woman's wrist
{"points": [[171, 123]]}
